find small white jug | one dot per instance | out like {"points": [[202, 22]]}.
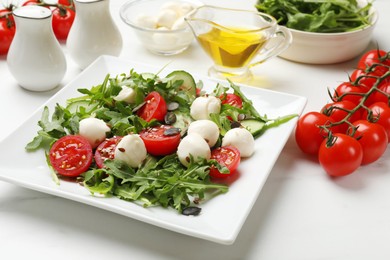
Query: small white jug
{"points": [[35, 57], [93, 32]]}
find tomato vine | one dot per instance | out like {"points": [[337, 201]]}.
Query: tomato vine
{"points": [[357, 110]]}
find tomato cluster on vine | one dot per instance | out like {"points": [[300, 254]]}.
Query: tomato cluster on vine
{"points": [[354, 128], [62, 20]]}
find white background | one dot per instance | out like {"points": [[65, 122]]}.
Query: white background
{"points": [[300, 213]]}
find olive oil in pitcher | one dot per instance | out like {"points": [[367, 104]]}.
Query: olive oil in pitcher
{"points": [[234, 47]]}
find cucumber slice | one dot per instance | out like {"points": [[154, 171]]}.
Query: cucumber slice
{"points": [[253, 126], [189, 85], [183, 121], [74, 106]]}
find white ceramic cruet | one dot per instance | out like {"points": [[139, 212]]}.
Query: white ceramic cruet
{"points": [[35, 57], [93, 32]]}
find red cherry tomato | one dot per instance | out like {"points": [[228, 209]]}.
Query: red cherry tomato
{"points": [[71, 155], [31, 2], [227, 156], [231, 99], [65, 2], [339, 110], [373, 139], [62, 22], [198, 91], [308, 135], [351, 92], [106, 150], [374, 56], [380, 96], [380, 115], [341, 158], [161, 140], [365, 79], [7, 30], [155, 107]]}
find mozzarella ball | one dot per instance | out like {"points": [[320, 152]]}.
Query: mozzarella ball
{"points": [[205, 128], [240, 138], [202, 107], [131, 149], [171, 5], [185, 8], [146, 21], [166, 18], [194, 145], [127, 95], [180, 23], [94, 130]]}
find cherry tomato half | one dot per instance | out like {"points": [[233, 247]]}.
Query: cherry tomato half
{"points": [[62, 22], [71, 155], [231, 99], [227, 156], [341, 158], [373, 139], [308, 135], [155, 107], [106, 150], [161, 140]]}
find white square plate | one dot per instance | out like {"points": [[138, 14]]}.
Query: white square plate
{"points": [[221, 218]]}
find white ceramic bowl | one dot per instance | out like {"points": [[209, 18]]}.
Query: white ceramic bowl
{"points": [[329, 48], [153, 25]]}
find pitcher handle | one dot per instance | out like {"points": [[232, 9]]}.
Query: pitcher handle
{"points": [[285, 39]]}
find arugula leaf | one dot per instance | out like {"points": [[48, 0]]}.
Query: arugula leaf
{"points": [[164, 182]]}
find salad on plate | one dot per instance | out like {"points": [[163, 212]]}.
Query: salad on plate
{"points": [[152, 140]]}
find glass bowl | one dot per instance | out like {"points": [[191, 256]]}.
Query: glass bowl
{"points": [[159, 24]]}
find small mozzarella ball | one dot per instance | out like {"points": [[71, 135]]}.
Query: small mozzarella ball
{"points": [[180, 23], [127, 95], [146, 21], [131, 149], [240, 138], [94, 130], [185, 8], [202, 107], [171, 5], [166, 18], [205, 128], [194, 145]]}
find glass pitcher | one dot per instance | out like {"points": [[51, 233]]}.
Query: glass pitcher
{"points": [[236, 40]]}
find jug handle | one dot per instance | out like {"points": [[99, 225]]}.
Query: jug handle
{"points": [[285, 39]]}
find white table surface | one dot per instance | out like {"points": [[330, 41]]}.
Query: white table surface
{"points": [[300, 213]]}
